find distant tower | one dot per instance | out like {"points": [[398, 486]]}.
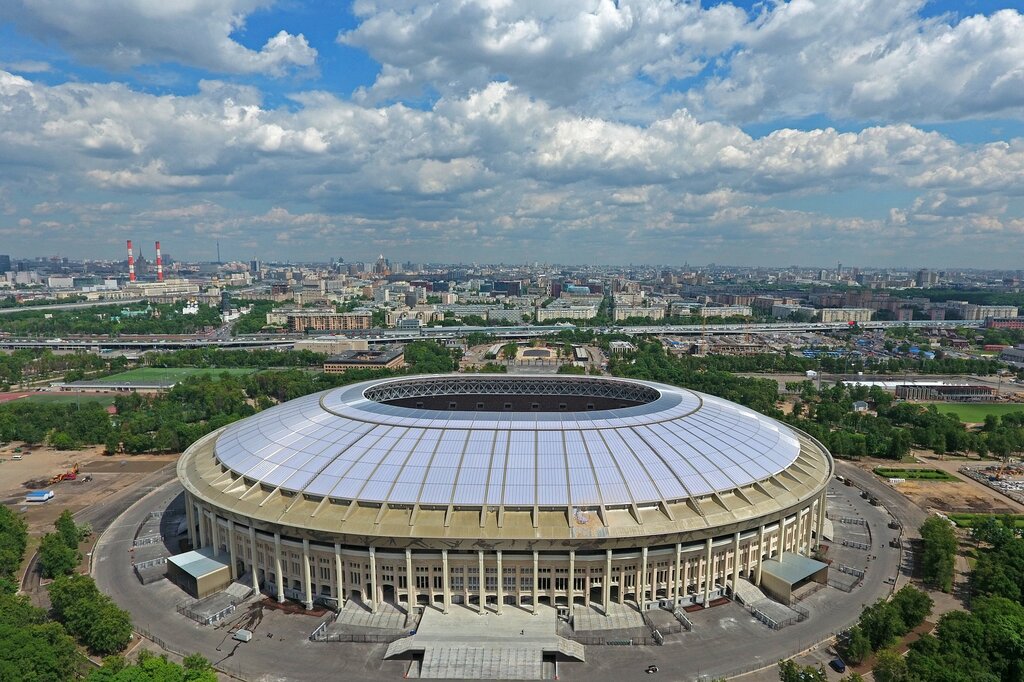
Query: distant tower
{"points": [[159, 264], [218, 252], [131, 262]]}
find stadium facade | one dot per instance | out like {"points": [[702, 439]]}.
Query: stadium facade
{"points": [[492, 490]]}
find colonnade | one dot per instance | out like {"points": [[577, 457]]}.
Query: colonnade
{"points": [[681, 573]]}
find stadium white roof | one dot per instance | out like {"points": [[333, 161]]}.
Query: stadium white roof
{"points": [[346, 445]]}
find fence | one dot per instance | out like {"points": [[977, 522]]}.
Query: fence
{"points": [[856, 545], [853, 521], [350, 637], [185, 609], [138, 565], [147, 540], [683, 620], [598, 640]]}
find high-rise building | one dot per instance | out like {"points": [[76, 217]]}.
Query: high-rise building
{"points": [[5, 263]]}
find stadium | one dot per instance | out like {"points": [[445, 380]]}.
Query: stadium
{"points": [[496, 491]]}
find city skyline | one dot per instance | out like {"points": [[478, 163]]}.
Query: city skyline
{"points": [[878, 133]]}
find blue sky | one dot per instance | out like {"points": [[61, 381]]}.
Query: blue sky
{"points": [[884, 132]]}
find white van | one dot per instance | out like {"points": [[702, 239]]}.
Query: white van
{"points": [[16, 458]]}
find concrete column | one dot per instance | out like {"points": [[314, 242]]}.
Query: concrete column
{"points": [[482, 585], [641, 598], [686, 578], [203, 540], [735, 564], [277, 568], [707, 574], [586, 595], [215, 532], [536, 562], [808, 526], [622, 586], [190, 518], [339, 570], [606, 582], [255, 554], [410, 581], [677, 578], [501, 583], [572, 578], [374, 601], [760, 554], [231, 549], [447, 581], [822, 508], [307, 586]]}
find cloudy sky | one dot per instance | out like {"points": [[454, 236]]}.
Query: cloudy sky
{"points": [[875, 132]]}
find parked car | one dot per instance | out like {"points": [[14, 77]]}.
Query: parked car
{"points": [[837, 665]]}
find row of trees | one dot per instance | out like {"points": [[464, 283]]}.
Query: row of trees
{"points": [[13, 541], [89, 615], [199, 404], [939, 545], [58, 551], [34, 648], [884, 622], [28, 365], [111, 320]]}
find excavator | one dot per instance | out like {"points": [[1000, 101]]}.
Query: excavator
{"points": [[69, 475]]}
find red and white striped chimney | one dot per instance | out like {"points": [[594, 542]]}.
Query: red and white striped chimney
{"points": [[159, 264], [131, 262]]}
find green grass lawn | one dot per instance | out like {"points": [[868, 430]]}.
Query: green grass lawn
{"points": [[973, 413], [144, 374], [968, 520], [916, 474], [102, 399]]}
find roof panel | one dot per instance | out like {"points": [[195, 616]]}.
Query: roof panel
{"points": [[681, 443]]}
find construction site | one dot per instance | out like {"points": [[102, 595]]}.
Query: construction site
{"points": [[78, 478]]}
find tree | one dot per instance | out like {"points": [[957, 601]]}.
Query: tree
{"points": [[789, 671], [13, 540], [149, 667], [913, 606], [55, 557], [67, 529], [509, 351], [32, 649], [890, 666], [882, 624], [110, 628], [92, 617], [858, 646], [940, 545]]}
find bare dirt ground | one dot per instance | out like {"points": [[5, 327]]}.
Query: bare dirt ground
{"points": [[110, 475], [964, 495]]}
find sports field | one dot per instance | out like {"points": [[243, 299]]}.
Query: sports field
{"points": [[74, 398], [149, 374], [974, 413]]}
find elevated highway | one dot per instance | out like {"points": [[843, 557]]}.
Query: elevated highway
{"points": [[380, 336]]}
